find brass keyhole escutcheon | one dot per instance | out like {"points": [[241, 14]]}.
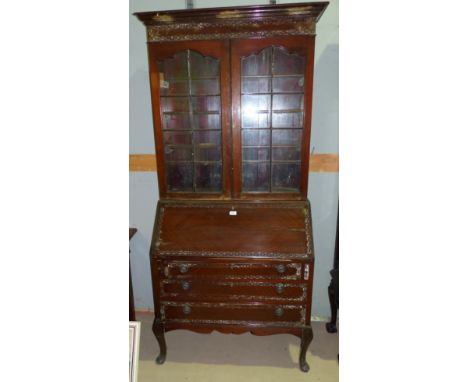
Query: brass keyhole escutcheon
{"points": [[279, 312], [185, 285], [279, 288], [183, 269], [281, 268], [186, 309]]}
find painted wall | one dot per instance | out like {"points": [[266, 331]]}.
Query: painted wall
{"points": [[323, 187]]}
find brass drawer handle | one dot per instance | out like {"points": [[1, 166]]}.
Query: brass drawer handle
{"points": [[281, 268], [279, 312], [183, 269], [186, 309], [185, 285], [279, 288]]}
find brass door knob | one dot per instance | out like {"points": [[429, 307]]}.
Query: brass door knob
{"points": [[279, 312], [281, 268], [183, 269], [186, 309], [279, 288], [185, 285]]}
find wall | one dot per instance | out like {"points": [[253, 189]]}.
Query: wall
{"points": [[323, 187]]}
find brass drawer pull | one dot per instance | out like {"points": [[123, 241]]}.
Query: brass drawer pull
{"points": [[186, 309], [185, 285], [279, 312], [279, 288], [281, 268], [183, 269]]}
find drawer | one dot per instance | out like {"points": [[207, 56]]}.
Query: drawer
{"points": [[190, 290], [181, 269], [232, 313]]}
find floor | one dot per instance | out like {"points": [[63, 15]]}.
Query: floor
{"points": [[228, 357]]}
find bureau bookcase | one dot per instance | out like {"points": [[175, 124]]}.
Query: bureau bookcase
{"points": [[232, 247]]}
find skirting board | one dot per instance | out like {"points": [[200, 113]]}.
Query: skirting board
{"points": [[317, 162]]}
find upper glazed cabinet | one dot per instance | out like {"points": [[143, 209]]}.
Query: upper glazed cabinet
{"points": [[232, 100]]}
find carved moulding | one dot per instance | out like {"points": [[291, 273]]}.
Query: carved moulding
{"points": [[177, 264], [231, 29], [301, 310], [235, 297], [232, 254]]}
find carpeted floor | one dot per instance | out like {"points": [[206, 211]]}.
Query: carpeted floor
{"points": [[228, 357]]}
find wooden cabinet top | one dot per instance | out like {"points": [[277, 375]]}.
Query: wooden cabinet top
{"points": [[232, 22]]}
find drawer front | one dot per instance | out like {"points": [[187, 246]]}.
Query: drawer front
{"points": [[192, 290], [233, 313], [180, 269]]}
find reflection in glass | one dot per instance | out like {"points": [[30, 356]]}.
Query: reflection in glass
{"points": [[285, 177], [207, 177], [179, 177], [256, 176]]}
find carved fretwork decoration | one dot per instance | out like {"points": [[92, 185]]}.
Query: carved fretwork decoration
{"points": [[235, 29], [217, 23]]}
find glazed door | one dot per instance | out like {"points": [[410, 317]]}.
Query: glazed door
{"points": [[271, 116], [191, 114]]}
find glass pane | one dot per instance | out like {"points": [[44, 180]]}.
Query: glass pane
{"points": [[177, 138], [288, 84], [208, 177], [174, 68], [191, 121], [206, 121], [179, 176], [287, 137], [207, 153], [205, 87], [286, 177], [207, 138], [202, 67], [255, 137], [257, 65], [204, 104], [286, 120], [255, 153], [255, 176], [255, 120], [174, 87], [254, 103], [272, 104], [176, 121], [287, 101], [256, 85], [175, 153], [287, 64], [286, 153], [169, 104]]}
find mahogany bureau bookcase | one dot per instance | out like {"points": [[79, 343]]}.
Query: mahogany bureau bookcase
{"points": [[232, 247]]}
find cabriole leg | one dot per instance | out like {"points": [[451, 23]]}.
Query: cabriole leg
{"points": [[306, 339], [158, 330]]}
